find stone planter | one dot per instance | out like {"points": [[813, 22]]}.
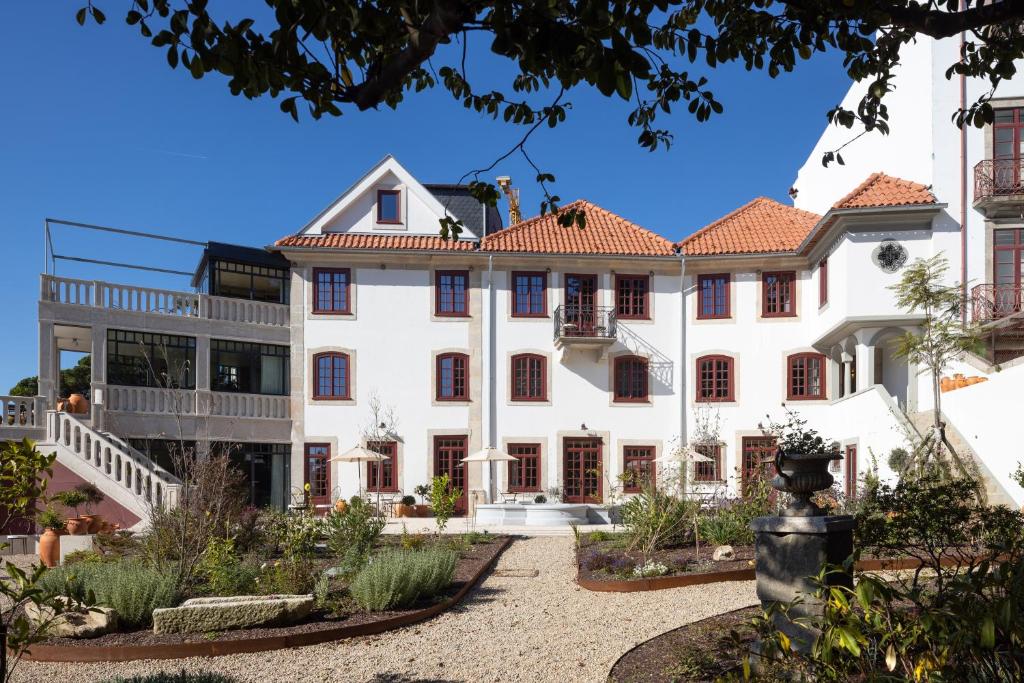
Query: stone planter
{"points": [[801, 475]]}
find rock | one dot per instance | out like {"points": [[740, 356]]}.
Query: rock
{"points": [[203, 615], [76, 622], [724, 552]]}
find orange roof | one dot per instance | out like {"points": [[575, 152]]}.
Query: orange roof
{"points": [[342, 240], [885, 190], [759, 227], [604, 233]]}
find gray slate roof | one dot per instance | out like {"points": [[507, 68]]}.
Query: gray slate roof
{"points": [[459, 202]]}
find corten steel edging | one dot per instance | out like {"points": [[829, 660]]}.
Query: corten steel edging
{"points": [[128, 653], [657, 583]]}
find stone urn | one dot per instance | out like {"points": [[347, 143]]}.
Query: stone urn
{"points": [[801, 475]]}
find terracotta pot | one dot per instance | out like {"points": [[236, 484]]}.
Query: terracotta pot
{"points": [[62, 404], [961, 381], [76, 526], [93, 523], [422, 510], [945, 384], [78, 404], [405, 510], [49, 548], [974, 380], [340, 505]]}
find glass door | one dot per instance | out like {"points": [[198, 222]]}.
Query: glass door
{"points": [[448, 454], [1007, 148], [758, 460], [581, 471], [580, 304], [1007, 260]]}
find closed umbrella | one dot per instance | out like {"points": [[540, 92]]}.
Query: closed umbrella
{"points": [[489, 455]]}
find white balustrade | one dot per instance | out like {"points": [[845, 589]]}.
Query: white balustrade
{"points": [[63, 290], [22, 411], [112, 459], [225, 404], [150, 400]]}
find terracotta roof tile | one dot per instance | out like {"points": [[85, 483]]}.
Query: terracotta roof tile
{"points": [[604, 233], [341, 240], [885, 190], [758, 227]]}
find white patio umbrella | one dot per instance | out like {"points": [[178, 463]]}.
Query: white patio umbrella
{"points": [[360, 454], [489, 455]]}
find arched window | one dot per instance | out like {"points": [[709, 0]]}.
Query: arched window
{"points": [[630, 379], [452, 377], [715, 379], [331, 375], [529, 377], [805, 377]]}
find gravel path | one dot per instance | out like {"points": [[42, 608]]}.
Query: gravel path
{"points": [[511, 628]]}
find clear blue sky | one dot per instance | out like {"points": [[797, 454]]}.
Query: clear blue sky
{"points": [[97, 128]]}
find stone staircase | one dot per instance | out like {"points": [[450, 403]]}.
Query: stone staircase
{"points": [[122, 473], [995, 494]]}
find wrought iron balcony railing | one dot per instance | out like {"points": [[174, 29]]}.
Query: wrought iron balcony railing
{"points": [[584, 322], [993, 301], [998, 177]]}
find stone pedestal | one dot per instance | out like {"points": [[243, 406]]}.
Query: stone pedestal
{"points": [[789, 554]]}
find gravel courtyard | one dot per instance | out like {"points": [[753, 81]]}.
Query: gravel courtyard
{"points": [[511, 628]]}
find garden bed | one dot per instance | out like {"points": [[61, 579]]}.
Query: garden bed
{"points": [[701, 651], [473, 563]]}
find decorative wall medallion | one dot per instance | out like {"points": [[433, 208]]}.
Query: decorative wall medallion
{"points": [[890, 256]]}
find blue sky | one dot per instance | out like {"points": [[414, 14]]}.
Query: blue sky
{"points": [[97, 128]]}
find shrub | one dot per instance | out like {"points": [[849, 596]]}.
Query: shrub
{"points": [[294, 535], [443, 498], [412, 541], [596, 560], [656, 520], [725, 527], [540, 499], [408, 500], [71, 499], [351, 534], [291, 576], [598, 536], [182, 677], [395, 579], [223, 570], [129, 586]]}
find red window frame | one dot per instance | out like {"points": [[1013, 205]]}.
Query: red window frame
{"points": [[346, 377], [718, 284], [385, 469], [785, 293], [535, 368], [630, 380], [459, 378], [795, 382], [850, 478], [708, 471], [758, 460], [440, 297], [320, 490], [640, 458], [709, 380], [330, 307], [398, 207], [632, 297], [529, 294], [822, 282], [524, 474]]}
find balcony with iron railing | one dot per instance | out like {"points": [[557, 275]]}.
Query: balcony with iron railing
{"points": [[999, 186], [584, 326], [994, 301]]}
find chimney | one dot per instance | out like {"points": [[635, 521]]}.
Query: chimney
{"points": [[512, 194]]}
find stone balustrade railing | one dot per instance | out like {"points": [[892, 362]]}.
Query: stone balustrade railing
{"points": [[23, 411], [154, 400], [99, 294], [249, 405], [137, 480]]}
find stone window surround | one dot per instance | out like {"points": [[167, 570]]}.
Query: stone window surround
{"points": [[501, 470], [606, 476], [473, 297], [611, 381], [620, 458], [310, 377], [826, 369], [548, 370], [399, 463], [735, 379], [472, 362], [309, 283]]}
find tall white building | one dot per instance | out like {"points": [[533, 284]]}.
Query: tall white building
{"points": [[584, 353]]}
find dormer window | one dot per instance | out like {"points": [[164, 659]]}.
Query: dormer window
{"points": [[389, 206]]}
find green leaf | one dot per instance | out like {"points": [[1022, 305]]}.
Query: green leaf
{"points": [[80, 16], [988, 633]]}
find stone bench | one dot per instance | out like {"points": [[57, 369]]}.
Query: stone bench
{"points": [[205, 615]]}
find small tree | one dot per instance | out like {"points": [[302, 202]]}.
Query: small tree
{"points": [[380, 428], [24, 475], [443, 498], [19, 589], [942, 337]]}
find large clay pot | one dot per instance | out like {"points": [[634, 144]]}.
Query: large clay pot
{"points": [[49, 548], [971, 381], [945, 384], [960, 380], [76, 526], [78, 404], [340, 506], [422, 510], [405, 510], [93, 523]]}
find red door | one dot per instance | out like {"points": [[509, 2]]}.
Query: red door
{"points": [[850, 462], [448, 454], [758, 460], [317, 473], [1007, 148], [581, 471], [1008, 262], [580, 304]]}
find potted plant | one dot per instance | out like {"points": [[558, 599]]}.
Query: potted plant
{"points": [[49, 541], [72, 499], [540, 499], [407, 508], [93, 497], [422, 510], [802, 461]]}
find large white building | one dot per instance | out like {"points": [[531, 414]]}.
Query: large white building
{"points": [[583, 352]]}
